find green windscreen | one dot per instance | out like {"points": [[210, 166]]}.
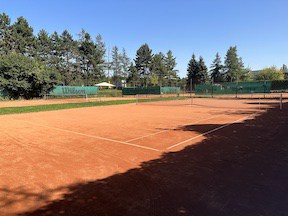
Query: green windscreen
{"points": [[279, 85], [74, 90], [156, 90], [233, 88], [141, 90], [170, 90]]}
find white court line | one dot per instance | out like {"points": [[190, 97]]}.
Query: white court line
{"points": [[92, 136], [162, 131], [208, 132]]}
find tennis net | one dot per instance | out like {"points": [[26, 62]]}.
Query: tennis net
{"points": [[208, 102]]}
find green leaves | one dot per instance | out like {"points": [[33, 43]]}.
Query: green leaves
{"points": [[234, 67], [217, 70], [22, 76], [271, 73], [197, 71]]}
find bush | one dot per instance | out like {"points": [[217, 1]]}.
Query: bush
{"points": [[271, 73], [21, 76]]}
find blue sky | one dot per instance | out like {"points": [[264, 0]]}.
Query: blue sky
{"points": [[204, 27]]}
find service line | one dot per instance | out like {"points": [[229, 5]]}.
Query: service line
{"points": [[208, 132], [162, 131], [92, 136]]}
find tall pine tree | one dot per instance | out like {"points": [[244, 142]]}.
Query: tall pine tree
{"points": [[192, 71], [202, 75], [86, 58], [7, 39], [44, 45], [158, 69], [170, 63], [69, 52], [143, 63], [233, 65], [25, 42], [125, 62], [216, 72]]}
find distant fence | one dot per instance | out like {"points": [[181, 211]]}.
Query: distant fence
{"points": [[233, 88], [2, 93], [279, 85], [157, 90], [74, 90]]}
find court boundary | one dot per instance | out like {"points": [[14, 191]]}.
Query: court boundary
{"points": [[208, 132], [92, 136], [162, 131], [141, 146]]}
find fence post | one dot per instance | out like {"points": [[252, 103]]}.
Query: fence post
{"points": [[281, 102]]}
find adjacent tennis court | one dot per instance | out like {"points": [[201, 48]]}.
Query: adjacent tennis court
{"points": [[46, 151]]}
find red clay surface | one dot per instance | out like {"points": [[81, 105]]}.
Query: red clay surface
{"points": [[42, 155]]}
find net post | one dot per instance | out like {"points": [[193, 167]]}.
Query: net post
{"points": [[86, 97], [137, 99], [281, 102], [191, 88]]}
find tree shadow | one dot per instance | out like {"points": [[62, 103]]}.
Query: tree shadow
{"points": [[239, 170]]}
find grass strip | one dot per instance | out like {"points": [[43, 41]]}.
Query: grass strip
{"points": [[50, 107]]}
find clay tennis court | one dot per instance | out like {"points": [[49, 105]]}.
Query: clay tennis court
{"points": [[43, 153]]}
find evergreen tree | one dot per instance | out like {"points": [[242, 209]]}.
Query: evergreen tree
{"points": [[234, 66], [125, 62], [170, 63], [192, 71], [100, 56], [158, 69], [44, 45], [202, 74], [56, 60], [116, 66], [133, 75], [217, 70], [143, 63], [87, 61], [25, 42], [68, 53], [6, 36]]}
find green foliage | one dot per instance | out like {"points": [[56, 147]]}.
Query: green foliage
{"points": [[143, 63], [197, 71], [6, 36], [24, 40], [271, 73], [125, 62], [171, 72], [21, 76], [202, 71], [88, 59], [68, 53], [133, 76], [217, 70], [116, 65], [158, 69], [234, 66]]}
